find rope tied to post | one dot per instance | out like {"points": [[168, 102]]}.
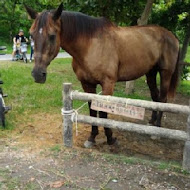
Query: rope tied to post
{"points": [[74, 112], [74, 115]]}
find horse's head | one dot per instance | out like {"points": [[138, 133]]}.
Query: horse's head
{"points": [[45, 32]]}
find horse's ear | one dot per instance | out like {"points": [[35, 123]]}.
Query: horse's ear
{"points": [[58, 12], [32, 13]]}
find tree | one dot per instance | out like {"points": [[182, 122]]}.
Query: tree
{"points": [[122, 12], [146, 13]]}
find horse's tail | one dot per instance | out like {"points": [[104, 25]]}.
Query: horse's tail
{"points": [[175, 78]]}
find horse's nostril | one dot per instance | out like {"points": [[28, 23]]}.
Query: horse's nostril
{"points": [[44, 74]]}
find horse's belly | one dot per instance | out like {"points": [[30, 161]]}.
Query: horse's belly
{"points": [[127, 76], [133, 70]]}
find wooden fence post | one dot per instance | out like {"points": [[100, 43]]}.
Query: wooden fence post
{"points": [[67, 114], [129, 87], [186, 153]]}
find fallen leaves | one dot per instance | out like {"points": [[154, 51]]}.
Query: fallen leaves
{"points": [[57, 184]]}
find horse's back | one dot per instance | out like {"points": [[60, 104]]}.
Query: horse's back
{"points": [[140, 49], [125, 53]]}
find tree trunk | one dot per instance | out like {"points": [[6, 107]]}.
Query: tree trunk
{"points": [[146, 13], [141, 21], [185, 44]]}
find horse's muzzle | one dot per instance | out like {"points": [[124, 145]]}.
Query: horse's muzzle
{"points": [[39, 75]]}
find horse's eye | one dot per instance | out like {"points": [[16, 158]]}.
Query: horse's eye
{"points": [[52, 38]]}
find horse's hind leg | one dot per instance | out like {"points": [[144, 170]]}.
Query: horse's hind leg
{"points": [[151, 81], [107, 89], [89, 88], [165, 79]]}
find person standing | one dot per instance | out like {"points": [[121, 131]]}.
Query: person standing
{"points": [[17, 43]]}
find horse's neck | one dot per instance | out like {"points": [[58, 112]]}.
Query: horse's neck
{"points": [[76, 49]]}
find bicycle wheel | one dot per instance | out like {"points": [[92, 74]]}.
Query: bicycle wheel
{"points": [[2, 114], [24, 57]]}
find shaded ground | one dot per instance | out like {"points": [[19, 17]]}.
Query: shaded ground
{"points": [[59, 168], [32, 157]]}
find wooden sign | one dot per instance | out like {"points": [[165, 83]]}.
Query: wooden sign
{"points": [[118, 109]]}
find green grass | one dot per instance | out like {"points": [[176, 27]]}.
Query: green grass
{"points": [[56, 148], [27, 97], [184, 87], [161, 165]]}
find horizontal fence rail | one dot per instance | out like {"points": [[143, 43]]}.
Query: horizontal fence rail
{"points": [[157, 106], [70, 116], [132, 127]]}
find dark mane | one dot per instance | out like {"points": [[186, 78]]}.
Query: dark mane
{"points": [[75, 24]]}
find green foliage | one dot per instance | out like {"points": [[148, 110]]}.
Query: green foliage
{"points": [[173, 15], [184, 87], [13, 15], [185, 73], [122, 12], [186, 69], [12, 18], [187, 58], [170, 14]]}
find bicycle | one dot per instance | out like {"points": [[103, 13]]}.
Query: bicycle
{"points": [[21, 52], [3, 108]]}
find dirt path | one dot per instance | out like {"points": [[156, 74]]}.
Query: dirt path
{"points": [[32, 157], [59, 168]]}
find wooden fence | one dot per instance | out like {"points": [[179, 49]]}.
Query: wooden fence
{"points": [[69, 116]]}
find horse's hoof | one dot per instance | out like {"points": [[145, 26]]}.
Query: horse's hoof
{"points": [[158, 125], [89, 144], [113, 141], [151, 123]]}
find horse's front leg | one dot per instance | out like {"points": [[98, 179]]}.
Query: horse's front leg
{"points": [[107, 89], [94, 131], [89, 88], [108, 132]]}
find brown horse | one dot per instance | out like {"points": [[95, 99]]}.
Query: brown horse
{"points": [[104, 54]]}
